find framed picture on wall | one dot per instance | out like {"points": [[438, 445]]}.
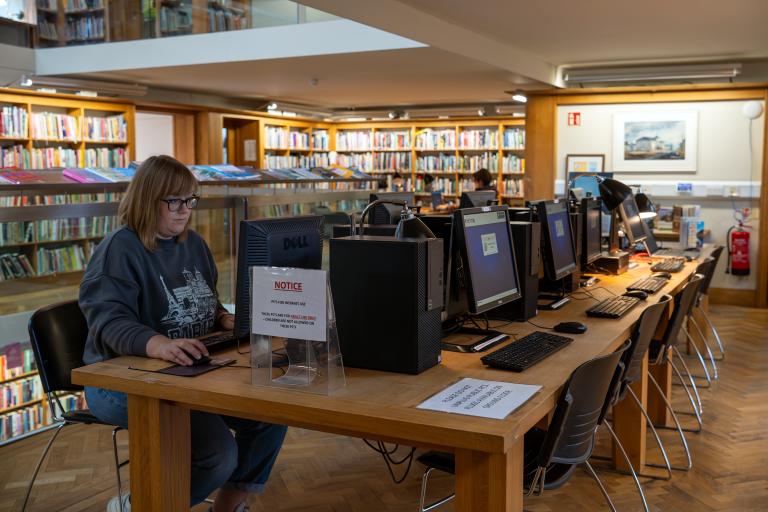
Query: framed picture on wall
{"points": [[584, 163], [655, 141]]}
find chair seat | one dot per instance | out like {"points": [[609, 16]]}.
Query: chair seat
{"points": [[83, 416], [442, 461]]}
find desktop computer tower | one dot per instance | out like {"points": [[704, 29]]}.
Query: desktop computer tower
{"points": [[340, 230], [388, 296], [526, 237]]}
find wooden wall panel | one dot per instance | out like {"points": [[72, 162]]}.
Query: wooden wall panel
{"points": [[540, 137], [184, 137], [761, 297]]}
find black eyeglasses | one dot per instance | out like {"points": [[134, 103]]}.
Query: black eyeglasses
{"points": [[175, 204]]}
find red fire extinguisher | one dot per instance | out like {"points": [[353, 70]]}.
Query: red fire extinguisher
{"points": [[738, 251]]}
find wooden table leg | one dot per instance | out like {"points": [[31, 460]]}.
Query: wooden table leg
{"points": [[160, 453], [656, 408], [630, 425], [490, 482]]}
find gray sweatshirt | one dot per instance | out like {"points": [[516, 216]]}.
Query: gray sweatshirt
{"points": [[129, 294]]}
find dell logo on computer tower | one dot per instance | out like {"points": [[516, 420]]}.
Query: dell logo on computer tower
{"points": [[295, 242]]}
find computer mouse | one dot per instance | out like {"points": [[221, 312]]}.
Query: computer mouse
{"points": [[198, 362], [639, 294], [571, 327], [663, 275]]}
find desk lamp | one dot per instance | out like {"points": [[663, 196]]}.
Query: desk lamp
{"points": [[613, 193], [645, 206], [409, 226]]}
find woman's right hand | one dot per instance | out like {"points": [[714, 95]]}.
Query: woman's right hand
{"points": [[175, 351]]}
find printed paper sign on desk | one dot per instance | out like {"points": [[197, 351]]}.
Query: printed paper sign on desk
{"points": [[289, 302], [484, 398]]}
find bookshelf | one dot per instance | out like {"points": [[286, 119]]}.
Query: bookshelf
{"points": [[71, 22], [45, 131]]}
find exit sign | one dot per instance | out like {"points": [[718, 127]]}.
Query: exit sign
{"points": [[574, 118]]}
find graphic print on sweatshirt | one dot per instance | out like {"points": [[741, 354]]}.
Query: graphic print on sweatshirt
{"points": [[191, 308]]}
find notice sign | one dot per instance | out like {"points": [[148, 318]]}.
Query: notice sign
{"points": [[289, 302], [484, 398]]}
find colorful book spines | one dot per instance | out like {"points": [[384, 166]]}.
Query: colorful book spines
{"points": [[14, 122]]}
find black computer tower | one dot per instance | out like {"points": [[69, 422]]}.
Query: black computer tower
{"points": [[340, 230], [526, 237], [388, 295]]}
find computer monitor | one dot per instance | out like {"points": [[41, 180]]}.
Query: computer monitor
{"points": [[477, 198], [633, 224], [388, 213], [557, 238], [485, 243], [591, 233], [287, 242]]}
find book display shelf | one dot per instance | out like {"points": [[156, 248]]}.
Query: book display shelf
{"points": [[44, 131], [71, 22]]}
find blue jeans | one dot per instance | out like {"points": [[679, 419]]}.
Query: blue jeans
{"points": [[242, 461]]}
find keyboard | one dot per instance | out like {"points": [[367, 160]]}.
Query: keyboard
{"points": [[669, 265], [674, 253], [648, 285], [219, 341], [525, 352], [615, 307]]}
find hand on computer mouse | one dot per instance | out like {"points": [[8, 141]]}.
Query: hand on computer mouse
{"points": [[197, 361]]}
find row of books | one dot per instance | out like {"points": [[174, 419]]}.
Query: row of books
{"points": [[282, 162], [61, 259], [280, 138], [83, 5], [37, 199], [481, 161], [20, 392], [231, 172], [220, 21], [14, 121], [106, 129], [15, 233], [175, 19], [353, 140], [392, 139], [15, 360], [514, 138], [49, 125], [106, 157], [440, 162], [86, 28], [55, 230], [48, 158], [363, 161], [45, 158], [15, 266], [14, 156], [512, 163], [22, 421], [47, 29], [436, 139], [512, 187], [392, 161], [320, 140], [482, 138]]}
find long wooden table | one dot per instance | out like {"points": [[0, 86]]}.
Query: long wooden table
{"points": [[375, 405]]}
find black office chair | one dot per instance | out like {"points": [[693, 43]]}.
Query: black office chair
{"points": [[641, 337], [58, 334], [706, 269], [715, 255], [552, 456], [659, 353]]}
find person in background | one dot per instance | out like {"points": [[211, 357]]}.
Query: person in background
{"points": [[398, 183], [482, 180], [150, 290]]}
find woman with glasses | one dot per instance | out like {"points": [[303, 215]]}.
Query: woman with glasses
{"points": [[150, 290]]}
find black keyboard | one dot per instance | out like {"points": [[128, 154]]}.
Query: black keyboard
{"points": [[615, 307], [525, 352], [649, 285], [669, 265], [688, 253], [219, 341]]}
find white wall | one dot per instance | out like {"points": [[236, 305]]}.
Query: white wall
{"points": [[154, 135], [723, 161]]}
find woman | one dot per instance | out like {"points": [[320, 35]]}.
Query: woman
{"points": [[150, 290], [481, 179]]}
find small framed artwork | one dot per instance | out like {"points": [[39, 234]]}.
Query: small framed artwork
{"points": [[584, 163], [655, 141]]}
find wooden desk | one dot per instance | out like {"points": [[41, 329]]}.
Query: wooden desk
{"points": [[374, 405]]}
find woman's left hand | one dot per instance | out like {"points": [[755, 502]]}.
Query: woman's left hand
{"points": [[227, 322]]}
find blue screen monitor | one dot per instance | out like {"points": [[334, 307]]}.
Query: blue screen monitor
{"points": [[558, 251]]}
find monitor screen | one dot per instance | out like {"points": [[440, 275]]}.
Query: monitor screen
{"points": [[287, 242], [630, 217], [557, 238], [489, 258], [477, 198], [388, 213], [591, 214]]}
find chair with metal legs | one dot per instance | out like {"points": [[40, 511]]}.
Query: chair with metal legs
{"points": [[640, 339], [58, 334], [705, 268], [715, 255], [662, 352], [552, 456]]}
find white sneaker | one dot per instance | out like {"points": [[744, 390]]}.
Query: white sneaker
{"points": [[114, 503]]}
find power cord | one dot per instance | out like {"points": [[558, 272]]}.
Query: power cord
{"points": [[386, 454], [539, 326]]}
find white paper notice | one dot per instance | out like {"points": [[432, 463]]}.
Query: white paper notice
{"points": [[289, 302], [484, 398], [249, 150]]}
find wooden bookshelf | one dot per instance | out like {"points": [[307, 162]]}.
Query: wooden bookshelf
{"points": [[80, 146], [59, 26]]}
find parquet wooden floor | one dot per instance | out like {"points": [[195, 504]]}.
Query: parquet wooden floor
{"points": [[319, 472]]}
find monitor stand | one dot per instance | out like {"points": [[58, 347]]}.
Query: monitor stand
{"points": [[490, 338], [552, 301]]}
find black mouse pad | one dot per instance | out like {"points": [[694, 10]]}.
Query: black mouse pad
{"points": [[192, 371]]}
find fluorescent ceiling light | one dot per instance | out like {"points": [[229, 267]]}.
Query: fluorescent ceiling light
{"points": [[519, 97], [354, 119], [651, 73], [272, 106], [72, 84]]}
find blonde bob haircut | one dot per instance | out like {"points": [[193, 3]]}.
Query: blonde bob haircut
{"points": [[156, 178]]}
